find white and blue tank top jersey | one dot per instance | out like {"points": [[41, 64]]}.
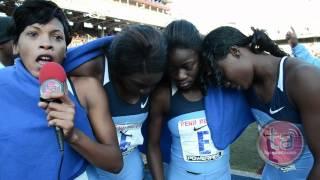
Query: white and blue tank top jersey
{"points": [[128, 120], [280, 109], [192, 147]]}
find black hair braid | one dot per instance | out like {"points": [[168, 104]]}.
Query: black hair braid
{"points": [[138, 49], [261, 42], [203, 83], [216, 45], [211, 74]]}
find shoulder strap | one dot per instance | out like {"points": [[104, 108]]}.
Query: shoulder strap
{"points": [[106, 77], [280, 84]]}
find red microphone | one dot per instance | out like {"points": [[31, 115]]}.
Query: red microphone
{"points": [[52, 78]]}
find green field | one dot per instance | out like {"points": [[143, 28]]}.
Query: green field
{"points": [[244, 155]]}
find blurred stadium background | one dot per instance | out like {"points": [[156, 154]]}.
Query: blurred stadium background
{"points": [[95, 18]]}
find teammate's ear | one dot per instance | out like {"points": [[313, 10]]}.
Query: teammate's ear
{"points": [[234, 50], [15, 49]]}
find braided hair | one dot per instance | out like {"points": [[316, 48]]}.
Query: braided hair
{"points": [[184, 34], [139, 48], [217, 43]]}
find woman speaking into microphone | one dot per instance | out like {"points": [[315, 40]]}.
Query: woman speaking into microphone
{"points": [[29, 148]]}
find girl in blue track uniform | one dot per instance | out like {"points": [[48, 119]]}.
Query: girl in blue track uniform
{"points": [[179, 103], [279, 89]]}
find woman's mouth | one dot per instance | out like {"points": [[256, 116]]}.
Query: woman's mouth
{"points": [[183, 84], [43, 59]]}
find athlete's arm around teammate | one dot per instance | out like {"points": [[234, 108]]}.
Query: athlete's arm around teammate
{"points": [[159, 108]]}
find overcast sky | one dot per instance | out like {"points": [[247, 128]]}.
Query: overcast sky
{"points": [[275, 16]]}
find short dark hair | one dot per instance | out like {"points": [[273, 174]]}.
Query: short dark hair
{"points": [[138, 48], [7, 29], [39, 11]]}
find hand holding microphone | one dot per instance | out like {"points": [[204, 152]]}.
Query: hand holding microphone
{"points": [[54, 99]]}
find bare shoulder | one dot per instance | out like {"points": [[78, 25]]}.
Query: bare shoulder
{"points": [[85, 82], [88, 89], [302, 73], [92, 68], [161, 91], [160, 97], [302, 79]]}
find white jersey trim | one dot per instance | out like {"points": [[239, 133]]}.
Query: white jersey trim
{"points": [[106, 77], [69, 87], [280, 79]]}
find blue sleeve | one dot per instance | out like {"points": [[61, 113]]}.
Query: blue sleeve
{"points": [[228, 114], [301, 52], [84, 53]]}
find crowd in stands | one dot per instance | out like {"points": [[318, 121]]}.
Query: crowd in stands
{"points": [[79, 39]]}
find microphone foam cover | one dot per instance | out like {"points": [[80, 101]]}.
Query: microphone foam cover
{"points": [[52, 70]]}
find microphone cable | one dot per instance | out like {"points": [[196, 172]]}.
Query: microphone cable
{"points": [[61, 149], [61, 152]]}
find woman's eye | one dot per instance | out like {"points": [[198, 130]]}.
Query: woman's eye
{"points": [[188, 67], [32, 34], [58, 37]]}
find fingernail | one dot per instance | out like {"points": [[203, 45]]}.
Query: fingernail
{"points": [[51, 123]]}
